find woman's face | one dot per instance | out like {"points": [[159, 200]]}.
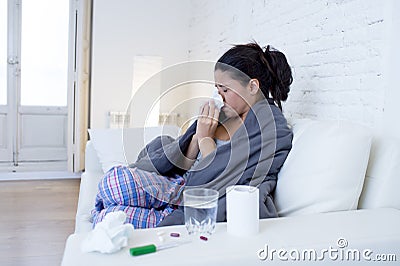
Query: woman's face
{"points": [[235, 95]]}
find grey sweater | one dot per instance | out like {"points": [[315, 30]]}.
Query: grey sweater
{"points": [[253, 157]]}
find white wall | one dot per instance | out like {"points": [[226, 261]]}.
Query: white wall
{"points": [[344, 53], [337, 50], [392, 57], [122, 30]]}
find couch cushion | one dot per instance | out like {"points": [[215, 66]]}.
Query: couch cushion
{"points": [[121, 146], [382, 182], [349, 233], [325, 169]]}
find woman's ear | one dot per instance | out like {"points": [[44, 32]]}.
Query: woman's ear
{"points": [[254, 86]]}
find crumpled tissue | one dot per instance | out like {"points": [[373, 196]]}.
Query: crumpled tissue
{"points": [[219, 102], [110, 235]]}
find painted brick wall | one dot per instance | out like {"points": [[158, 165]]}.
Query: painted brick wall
{"points": [[336, 49]]}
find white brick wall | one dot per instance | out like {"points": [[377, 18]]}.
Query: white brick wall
{"points": [[335, 47]]}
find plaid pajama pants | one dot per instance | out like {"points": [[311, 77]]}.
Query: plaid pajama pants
{"points": [[145, 197]]}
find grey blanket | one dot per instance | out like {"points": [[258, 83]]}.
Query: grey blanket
{"points": [[254, 157]]}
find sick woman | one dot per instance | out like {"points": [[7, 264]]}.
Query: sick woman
{"points": [[244, 143]]}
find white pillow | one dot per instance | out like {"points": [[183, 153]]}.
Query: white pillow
{"points": [[122, 146], [382, 181], [325, 169]]}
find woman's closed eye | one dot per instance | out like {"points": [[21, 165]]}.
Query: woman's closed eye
{"points": [[221, 87]]}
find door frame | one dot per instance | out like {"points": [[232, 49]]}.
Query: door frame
{"points": [[10, 111]]}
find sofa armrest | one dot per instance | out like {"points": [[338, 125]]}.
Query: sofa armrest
{"points": [[88, 189], [92, 162], [87, 196]]}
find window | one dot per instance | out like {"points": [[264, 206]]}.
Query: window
{"points": [[44, 52]]}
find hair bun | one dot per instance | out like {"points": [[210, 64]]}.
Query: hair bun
{"points": [[266, 64]]}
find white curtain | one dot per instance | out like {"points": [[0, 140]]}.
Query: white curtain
{"points": [[78, 82]]}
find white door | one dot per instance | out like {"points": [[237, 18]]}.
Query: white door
{"points": [[33, 84]]}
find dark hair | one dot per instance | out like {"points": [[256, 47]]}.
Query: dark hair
{"points": [[268, 66]]}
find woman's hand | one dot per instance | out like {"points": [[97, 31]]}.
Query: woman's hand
{"points": [[206, 126], [208, 121]]}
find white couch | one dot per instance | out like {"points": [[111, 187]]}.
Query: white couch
{"points": [[334, 170]]}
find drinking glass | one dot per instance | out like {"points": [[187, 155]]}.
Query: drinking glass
{"points": [[200, 207]]}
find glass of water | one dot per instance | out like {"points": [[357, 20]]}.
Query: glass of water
{"points": [[201, 205]]}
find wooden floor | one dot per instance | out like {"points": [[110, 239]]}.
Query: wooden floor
{"points": [[36, 218]]}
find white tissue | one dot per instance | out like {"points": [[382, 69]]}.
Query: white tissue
{"points": [[110, 235], [242, 212], [219, 102]]}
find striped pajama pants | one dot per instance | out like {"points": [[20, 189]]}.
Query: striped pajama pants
{"points": [[145, 197]]}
